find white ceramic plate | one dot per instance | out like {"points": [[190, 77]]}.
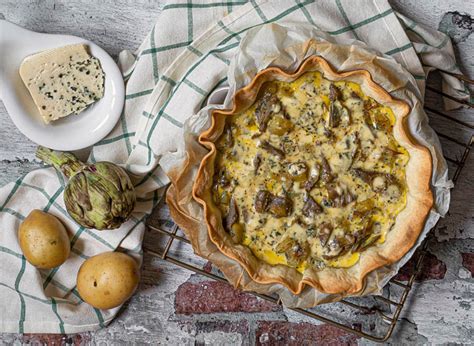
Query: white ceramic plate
{"points": [[75, 131]]}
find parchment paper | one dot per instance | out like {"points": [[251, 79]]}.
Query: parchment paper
{"points": [[285, 47]]}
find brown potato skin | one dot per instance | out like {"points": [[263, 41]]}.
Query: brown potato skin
{"points": [[44, 240], [107, 280]]}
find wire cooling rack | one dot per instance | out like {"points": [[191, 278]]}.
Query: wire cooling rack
{"points": [[381, 313]]}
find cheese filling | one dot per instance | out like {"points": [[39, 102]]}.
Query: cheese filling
{"points": [[310, 175]]}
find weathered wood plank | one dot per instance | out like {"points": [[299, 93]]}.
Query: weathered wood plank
{"points": [[9, 170], [430, 13], [13, 144], [113, 25]]}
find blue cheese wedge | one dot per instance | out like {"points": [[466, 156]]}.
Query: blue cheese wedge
{"points": [[63, 81]]}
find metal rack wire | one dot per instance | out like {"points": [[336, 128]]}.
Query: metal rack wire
{"points": [[383, 311]]}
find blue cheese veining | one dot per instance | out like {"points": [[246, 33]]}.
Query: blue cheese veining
{"points": [[63, 81], [311, 174]]}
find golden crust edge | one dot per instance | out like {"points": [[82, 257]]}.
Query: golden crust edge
{"points": [[330, 280]]}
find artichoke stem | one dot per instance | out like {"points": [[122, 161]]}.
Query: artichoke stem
{"points": [[65, 162]]}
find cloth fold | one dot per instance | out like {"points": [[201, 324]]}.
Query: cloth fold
{"points": [[183, 59]]}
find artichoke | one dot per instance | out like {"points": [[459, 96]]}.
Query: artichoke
{"points": [[98, 195]]}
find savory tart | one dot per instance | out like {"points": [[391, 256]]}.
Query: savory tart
{"points": [[313, 178]]}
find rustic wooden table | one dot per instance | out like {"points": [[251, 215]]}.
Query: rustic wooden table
{"points": [[439, 309]]}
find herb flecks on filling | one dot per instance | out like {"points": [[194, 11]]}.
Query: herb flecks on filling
{"points": [[310, 175]]}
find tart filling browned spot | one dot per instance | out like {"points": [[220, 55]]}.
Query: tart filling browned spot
{"points": [[310, 174]]}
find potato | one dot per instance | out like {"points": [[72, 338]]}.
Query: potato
{"points": [[44, 240], [107, 280]]}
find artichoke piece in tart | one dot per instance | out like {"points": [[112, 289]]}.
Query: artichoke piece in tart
{"points": [[321, 182]]}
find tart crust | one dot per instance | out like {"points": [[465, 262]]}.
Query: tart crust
{"points": [[399, 240]]}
